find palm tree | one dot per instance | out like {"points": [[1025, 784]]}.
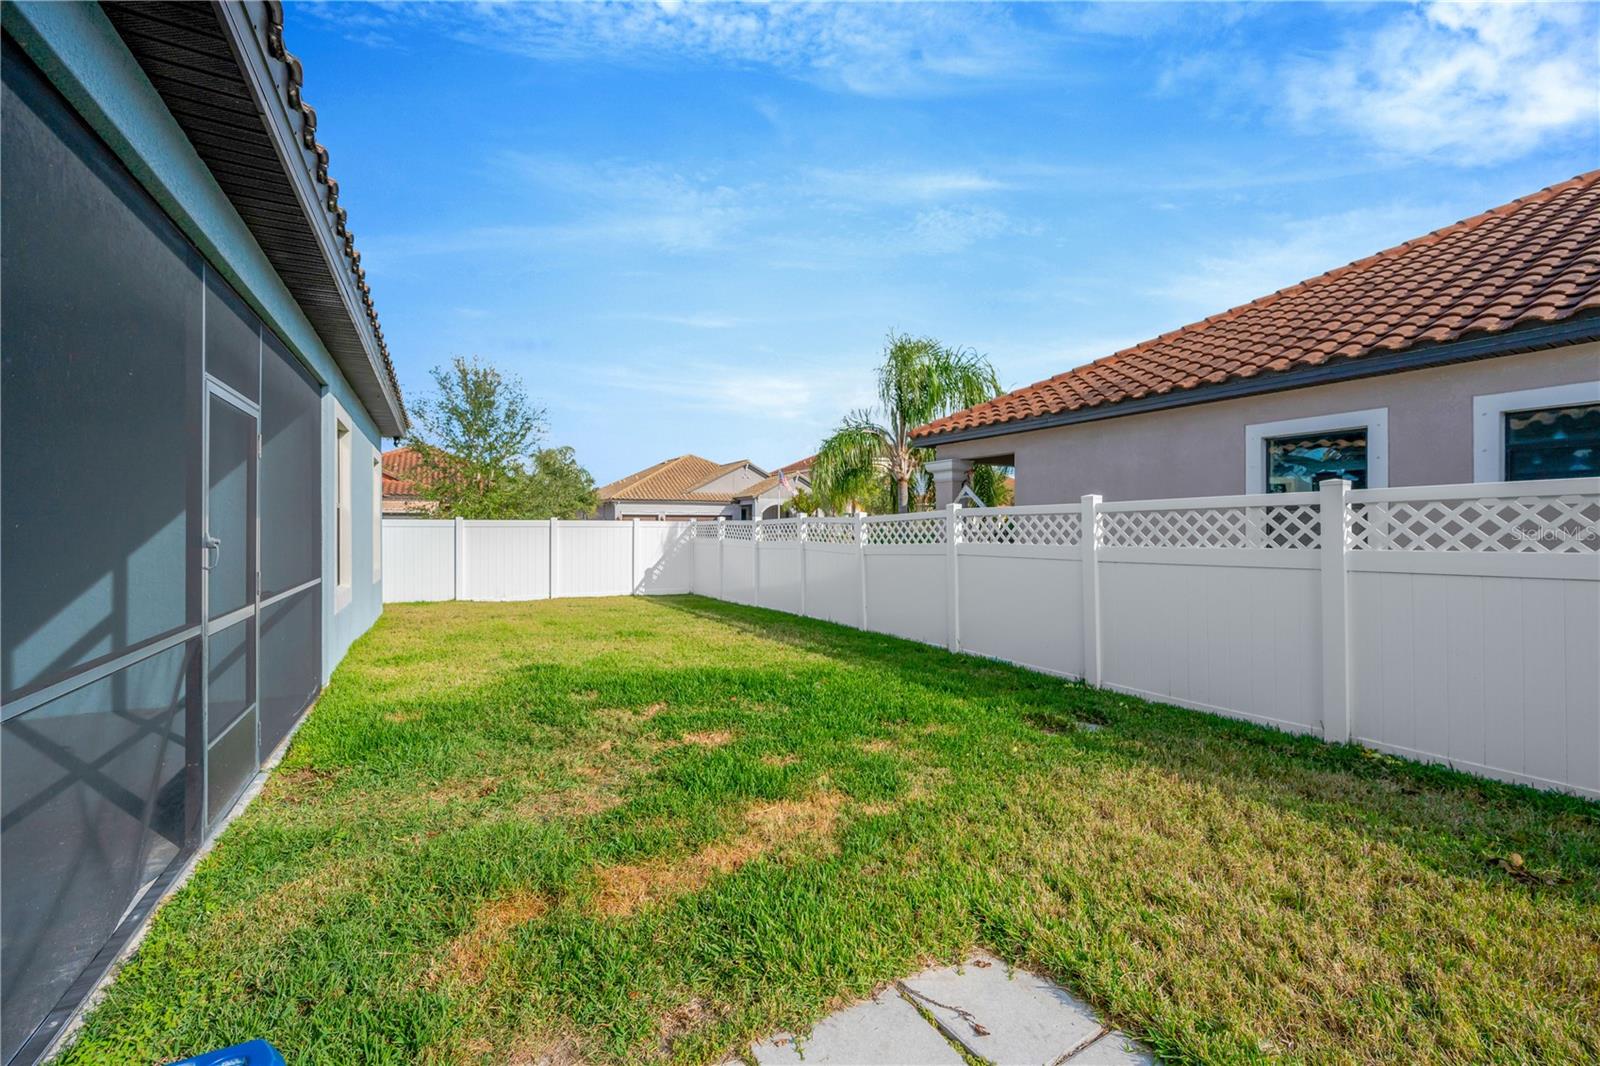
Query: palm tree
{"points": [[871, 451]]}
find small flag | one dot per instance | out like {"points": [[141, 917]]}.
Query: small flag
{"points": [[783, 482]]}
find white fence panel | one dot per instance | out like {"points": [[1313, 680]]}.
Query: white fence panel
{"points": [[833, 582], [738, 564], [1239, 640], [1024, 608], [418, 560], [707, 560], [664, 558], [1485, 655], [594, 558], [906, 593], [778, 555], [506, 561]]}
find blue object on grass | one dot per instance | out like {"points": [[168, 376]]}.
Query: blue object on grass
{"points": [[250, 1053]]}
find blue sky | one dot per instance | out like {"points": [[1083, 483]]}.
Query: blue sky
{"points": [[688, 228]]}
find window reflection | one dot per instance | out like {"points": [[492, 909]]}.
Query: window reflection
{"points": [[1553, 442], [1301, 463]]}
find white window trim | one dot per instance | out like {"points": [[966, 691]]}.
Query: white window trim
{"points": [[1374, 421], [377, 517], [343, 534], [1489, 424]]}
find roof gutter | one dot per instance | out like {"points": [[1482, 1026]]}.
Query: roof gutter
{"points": [[1533, 338]]}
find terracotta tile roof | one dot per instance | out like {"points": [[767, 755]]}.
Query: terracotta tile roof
{"points": [[1534, 260], [800, 464], [767, 484], [403, 475], [673, 479]]}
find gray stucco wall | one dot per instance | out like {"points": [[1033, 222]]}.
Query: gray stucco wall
{"points": [[78, 50], [1200, 450]]}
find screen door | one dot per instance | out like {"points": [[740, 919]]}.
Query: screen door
{"points": [[231, 566]]}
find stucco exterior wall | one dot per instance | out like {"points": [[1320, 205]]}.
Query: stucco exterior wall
{"points": [[613, 509], [1200, 450], [76, 47], [733, 480]]}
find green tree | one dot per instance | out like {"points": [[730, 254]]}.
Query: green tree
{"points": [[556, 486], [871, 451], [477, 440]]}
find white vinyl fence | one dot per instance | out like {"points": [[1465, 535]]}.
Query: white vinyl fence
{"points": [[1456, 624], [460, 559]]}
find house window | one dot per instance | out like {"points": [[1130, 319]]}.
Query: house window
{"points": [[341, 511], [1552, 432], [1553, 442], [1301, 462], [1298, 454]]}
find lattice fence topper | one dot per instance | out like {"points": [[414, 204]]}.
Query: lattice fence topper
{"points": [[738, 531], [930, 530], [1547, 524], [1277, 526], [780, 530], [1053, 528], [831, 531]]}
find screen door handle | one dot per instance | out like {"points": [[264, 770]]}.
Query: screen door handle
{"points": [[213, 549]]}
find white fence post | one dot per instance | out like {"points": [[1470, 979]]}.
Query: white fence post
{"points": [[952, 598], [1089, 551], [800, 531], [633, 558], [1335, 524], [722, 552], [755, 539], [554, 556], [861, 564], [460, 559]]}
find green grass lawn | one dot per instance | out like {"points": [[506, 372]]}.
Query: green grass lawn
{"points": [[630, 829]]}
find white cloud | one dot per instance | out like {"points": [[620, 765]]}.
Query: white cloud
{"points": [[872, 49], [1253, 267], [1478, 83], [947, 229], [900, 184], [816, 395]]}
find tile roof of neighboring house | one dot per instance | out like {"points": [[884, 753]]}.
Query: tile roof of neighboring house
{"points": [[766, 484], [673, 479], [402, 472], [800, 464], [1534, 260]]}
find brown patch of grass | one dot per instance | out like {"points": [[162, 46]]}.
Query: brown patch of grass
{"points": [[788, 759], [876, 746], [684, 1018], [289, 906], [625, 889], [464, 789], [573, 802], [300, 785], [468, 956], [710, 738], [561, 1051], [402, 716]]}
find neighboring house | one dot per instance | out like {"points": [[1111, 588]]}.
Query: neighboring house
{"points": [[195, 388], [404, 483], [689, 487], [1469, 354]]}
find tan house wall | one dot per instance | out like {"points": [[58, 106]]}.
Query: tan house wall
{"points": [[1200, 450], [733, 481]]}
